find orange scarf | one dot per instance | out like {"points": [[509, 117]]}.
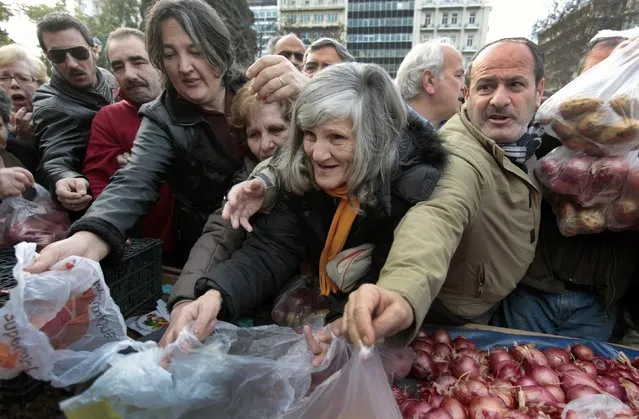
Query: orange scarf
{"points": [[340, 228]]}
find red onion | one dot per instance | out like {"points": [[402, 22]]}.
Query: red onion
{"points": [[544, 376], [631, 389], [587, 367], [507, 370], [438, 413], [579, 391], [501, 385], [468, 390], [506, 398], [421, 334], [415, 410], [498, 355], [485, 407], [582, 352], [422, 366], [556, 357], [454, 408], [441, 336], [441, 368], [435, 399], [515, 414], [611, 386], [464, 367], [574, 378], [420, 345], [400, 393], [564, 368], [526, 381], [538, 394], [602, 364], [461, 342], [442, 352], [443, 383], [557, 393]]}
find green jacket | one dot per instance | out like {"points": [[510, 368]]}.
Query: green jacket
{"points": [[472, 241]]}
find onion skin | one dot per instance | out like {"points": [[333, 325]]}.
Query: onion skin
{"points": [[515, 414], [415, 410], [579, 391], [444, 383], [538, 394], [420, 345], [526, 381], [485, 407], [544, 376], [438, 413], [506, 398], [602, 364], [464, 367], [557, 393], [497, 355], [582, 352], [573, 378], [611, 386], [588, 367], [442, 352], [556, 357], [501, 385], [454, 408], [631, 390], [461, 342], [422, 366], [466, 391], [440, 335]]}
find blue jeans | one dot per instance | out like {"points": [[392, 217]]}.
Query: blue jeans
{"points": [[572, 313]]}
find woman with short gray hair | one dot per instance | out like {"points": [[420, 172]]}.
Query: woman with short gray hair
{"points": [[352, 167]]}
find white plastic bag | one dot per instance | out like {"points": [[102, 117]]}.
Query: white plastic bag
{"points": [[598, 112], [598, 406], [259, 372], [60, 326]]}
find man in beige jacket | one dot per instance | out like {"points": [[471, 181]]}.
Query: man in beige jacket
{"points": [[457, 255]]}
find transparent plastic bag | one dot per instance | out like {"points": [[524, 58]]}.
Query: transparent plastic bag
{"points": [[599, 406], [60, 326], [260, 372], [598, 112], [40, 220], [299, 302], [623, 212]]}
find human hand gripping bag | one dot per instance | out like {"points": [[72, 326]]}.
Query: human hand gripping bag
{"points": [[62, 325], [40, 220], [598, 112], [258, 372]]}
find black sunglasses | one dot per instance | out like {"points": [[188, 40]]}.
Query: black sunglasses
{"points": [[288, 54], [59, 55]]}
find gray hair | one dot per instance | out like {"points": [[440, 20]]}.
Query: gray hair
{"points": [[202, 24], [272, 41], [365, 95], [427, 56], [343, 53]]}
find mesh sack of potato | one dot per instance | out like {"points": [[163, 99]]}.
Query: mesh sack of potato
{"points": [[598, 112], [591, 194]]}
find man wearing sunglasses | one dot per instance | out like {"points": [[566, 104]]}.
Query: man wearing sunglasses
{"points": [[290, 47], [63, 109]]}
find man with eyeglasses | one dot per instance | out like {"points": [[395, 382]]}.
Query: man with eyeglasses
{"points": [[290, 47], [63, 109]]}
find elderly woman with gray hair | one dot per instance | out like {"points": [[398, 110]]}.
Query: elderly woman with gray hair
{"points": [[350, 170], [184, 138]]}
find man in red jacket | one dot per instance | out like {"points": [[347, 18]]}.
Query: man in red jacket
{"points": [[115, 126]]}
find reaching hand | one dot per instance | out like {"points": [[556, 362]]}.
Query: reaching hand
{"points": [[123, 159], [243, 201], [82, 243], [320, 343], [22, 125], [73, 193], [373, 313], [274, 78], [203, 312], [14, 181]]}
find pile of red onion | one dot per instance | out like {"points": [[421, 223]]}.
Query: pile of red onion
{"points": [[458, 381]]}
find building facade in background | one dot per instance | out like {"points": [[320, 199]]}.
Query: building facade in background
{"points": [[463, 22], [313, 19], [88, 7], [565, 39], [380, 32], [265, 24]]}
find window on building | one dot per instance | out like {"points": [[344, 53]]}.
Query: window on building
{"points": [[445, 19], [319, 18], [453, 19], [471, 18], [470, 40], [291, 19], [427, 19], [332, 17], [305, 18]]}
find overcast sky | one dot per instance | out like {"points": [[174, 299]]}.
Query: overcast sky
{"points": [[507, 18]]}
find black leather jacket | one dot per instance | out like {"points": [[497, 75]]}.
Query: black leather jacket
{"points": [[62, 116], [174, 144]]}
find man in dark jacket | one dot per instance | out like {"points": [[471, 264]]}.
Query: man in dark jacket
{"points": [[64, 107]]}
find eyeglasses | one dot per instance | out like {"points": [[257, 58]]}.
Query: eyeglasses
{"points": [[20, 78], [58, 56], [288, 54]]}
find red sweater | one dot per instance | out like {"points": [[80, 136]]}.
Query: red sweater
{"points": [[112, 133]]}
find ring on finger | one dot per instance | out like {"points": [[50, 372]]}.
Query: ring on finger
{"points": [[281, 80]]}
